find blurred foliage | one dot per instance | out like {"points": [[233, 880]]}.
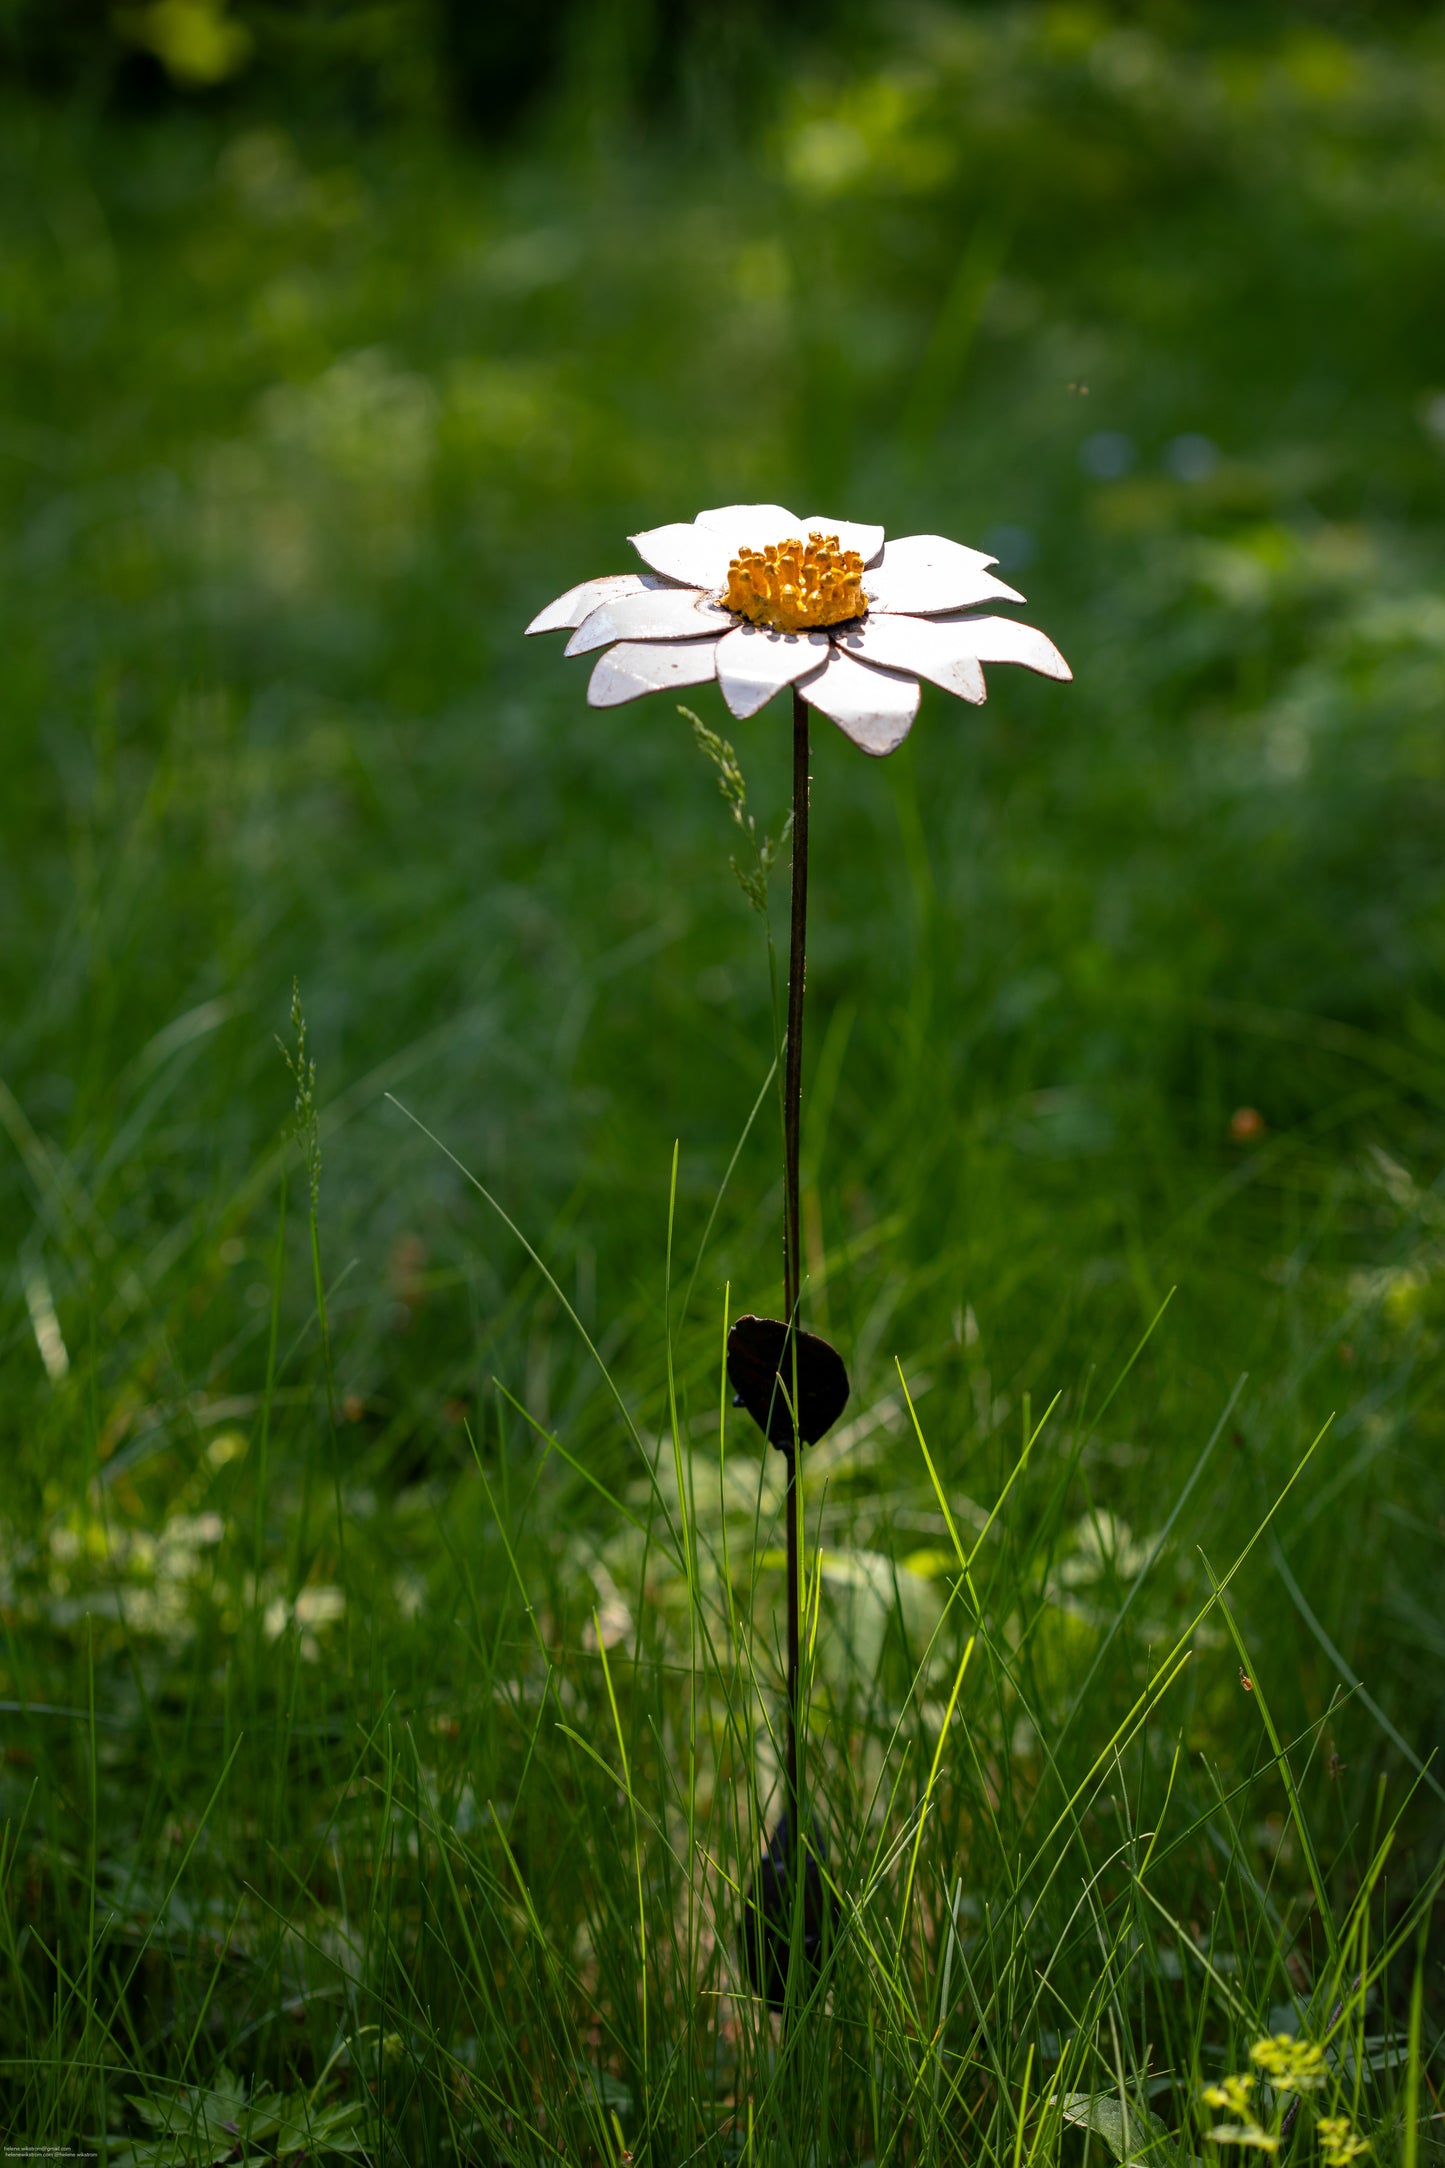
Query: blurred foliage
{"points": [[481, 67]]}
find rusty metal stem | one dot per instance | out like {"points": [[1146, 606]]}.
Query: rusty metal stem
{"points": [[792, 1272]]}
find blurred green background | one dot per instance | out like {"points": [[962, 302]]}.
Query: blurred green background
{"points": [[334, 341]]}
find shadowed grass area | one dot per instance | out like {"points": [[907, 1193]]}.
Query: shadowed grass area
{"points": [[388, 1677]]}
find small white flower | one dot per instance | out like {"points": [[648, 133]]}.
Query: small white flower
{"points": [[758, 599]]}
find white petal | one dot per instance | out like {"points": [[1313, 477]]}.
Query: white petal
{"points": [[686, 553], [1004, 639], [628, 671], [579, 602], [941, 653], [667, 613], [872, 708], [753, 664], [867, 541], [755, 524], [926, 573]]}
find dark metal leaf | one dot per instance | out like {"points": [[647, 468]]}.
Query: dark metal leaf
{"points": [[762, 1360], [768, 1918]]}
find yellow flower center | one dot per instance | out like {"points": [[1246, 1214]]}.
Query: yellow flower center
{"points": [[794, 585]]}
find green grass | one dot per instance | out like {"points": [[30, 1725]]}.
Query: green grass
{"points": [[320, 1805]]}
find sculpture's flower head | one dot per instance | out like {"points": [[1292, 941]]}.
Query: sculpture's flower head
{"points": [[759, 599]]}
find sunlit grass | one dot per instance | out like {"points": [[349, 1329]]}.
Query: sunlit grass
{"points": [[457, 1839]]}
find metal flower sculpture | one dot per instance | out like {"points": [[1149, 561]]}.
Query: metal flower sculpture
{"points": [[758, 599]]}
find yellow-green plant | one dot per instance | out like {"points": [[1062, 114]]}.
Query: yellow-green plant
{"points": [[1291, 2066]]}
